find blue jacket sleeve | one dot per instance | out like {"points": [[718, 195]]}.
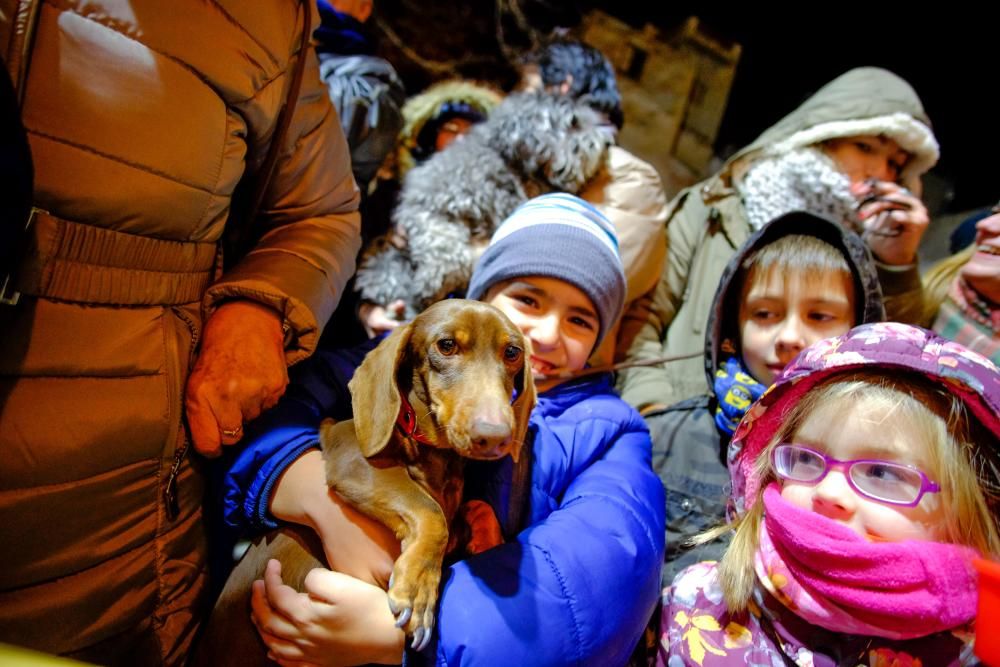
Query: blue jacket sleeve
{"points": [[317, 388], [577, 587]]}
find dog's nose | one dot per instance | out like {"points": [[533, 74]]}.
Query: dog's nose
{"points": [[489, 436]]}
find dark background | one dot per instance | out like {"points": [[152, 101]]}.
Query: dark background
{"points": [[952, 60]]}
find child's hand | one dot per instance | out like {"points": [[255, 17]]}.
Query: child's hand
{"points": [[338, 620], [378, 319], [893, 220]]}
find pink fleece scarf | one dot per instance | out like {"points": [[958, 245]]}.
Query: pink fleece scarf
{"points": [[833, 578]]}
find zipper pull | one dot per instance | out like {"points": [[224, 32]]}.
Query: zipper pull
{"points": [[170, 491]]}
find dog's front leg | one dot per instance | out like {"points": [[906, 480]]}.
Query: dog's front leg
{"points": [[391, 496]]}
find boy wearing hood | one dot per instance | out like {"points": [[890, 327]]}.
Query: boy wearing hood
{"points": [[798, 279], [853, 152]]}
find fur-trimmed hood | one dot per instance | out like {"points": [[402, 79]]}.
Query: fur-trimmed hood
{"points": [[450, 205], [862, 101], [421, 108]]}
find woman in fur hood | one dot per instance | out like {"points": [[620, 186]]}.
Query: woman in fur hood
{"points": [[853, 152], [450, 205]]}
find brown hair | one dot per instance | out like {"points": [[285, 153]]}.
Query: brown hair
{"points": [[794, 253]]}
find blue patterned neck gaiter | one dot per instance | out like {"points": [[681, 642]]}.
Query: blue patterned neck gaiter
{"points": [[736, 391]]}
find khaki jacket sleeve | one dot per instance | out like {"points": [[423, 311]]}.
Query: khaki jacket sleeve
{"points": [[630, 193], [645, 324], [311, 228], [902, 293]]}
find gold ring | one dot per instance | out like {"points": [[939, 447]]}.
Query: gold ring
{"points": [[234, 432]]}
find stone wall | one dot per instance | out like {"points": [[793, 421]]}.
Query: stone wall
{"points": [[674, 90]]}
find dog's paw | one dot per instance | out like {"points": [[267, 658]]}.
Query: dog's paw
{"points": [[413, 593]]}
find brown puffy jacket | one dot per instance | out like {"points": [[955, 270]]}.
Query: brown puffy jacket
{"points": [[143, 116]]}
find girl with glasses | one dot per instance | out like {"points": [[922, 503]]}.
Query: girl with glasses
{"points": [[865, 481]]}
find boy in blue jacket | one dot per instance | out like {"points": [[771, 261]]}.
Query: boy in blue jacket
{"points": [[576, 579]]}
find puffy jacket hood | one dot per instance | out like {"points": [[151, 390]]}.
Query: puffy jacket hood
{"points": [[889, 346], [862, 101], [723, 323]]}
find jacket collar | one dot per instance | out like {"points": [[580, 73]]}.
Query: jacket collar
{"points": [[571, 392]]}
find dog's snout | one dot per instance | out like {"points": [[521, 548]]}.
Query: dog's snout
{"points": [[490, 435]]}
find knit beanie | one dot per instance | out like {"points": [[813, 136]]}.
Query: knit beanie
{"points": [[559, 236]]}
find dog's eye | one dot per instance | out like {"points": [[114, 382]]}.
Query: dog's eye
{"points": [[447, 346], [512, 353]]}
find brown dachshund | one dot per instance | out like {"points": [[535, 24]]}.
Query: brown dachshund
{"points": [[436, 391]]}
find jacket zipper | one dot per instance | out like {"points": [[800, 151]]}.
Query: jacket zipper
{"points": [[170, 489]]}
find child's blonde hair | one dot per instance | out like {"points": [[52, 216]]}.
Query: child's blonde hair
{"points": [[938, 279], [969, 495]]}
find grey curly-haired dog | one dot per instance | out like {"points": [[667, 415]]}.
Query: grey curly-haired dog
{"points": [[449, 206]]}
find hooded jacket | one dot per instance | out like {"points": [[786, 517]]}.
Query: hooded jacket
{"points": [[770, 631], [708, 222], [575, 582], [143, 117], [689, 450], [629, 192]]}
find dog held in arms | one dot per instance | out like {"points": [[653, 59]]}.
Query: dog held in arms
{"points": [[433, 393]]}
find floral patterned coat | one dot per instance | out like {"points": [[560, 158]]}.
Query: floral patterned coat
{"points": [[698, 629]]}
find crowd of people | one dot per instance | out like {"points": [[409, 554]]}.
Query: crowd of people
{"points": [[762, 434]]}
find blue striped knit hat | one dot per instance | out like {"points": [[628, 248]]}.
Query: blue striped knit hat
{"points": [[557, 236]]}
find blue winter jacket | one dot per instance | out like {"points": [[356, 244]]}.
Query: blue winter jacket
{"points": [[575, 586]]}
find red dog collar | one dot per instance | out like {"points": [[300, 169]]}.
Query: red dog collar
{"points": [[407, 422]]}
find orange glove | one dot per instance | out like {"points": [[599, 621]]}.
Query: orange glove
{"points": [[484, 528], [240, 372]]}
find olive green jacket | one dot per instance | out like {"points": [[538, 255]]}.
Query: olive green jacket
{"points": [[707, 223]]}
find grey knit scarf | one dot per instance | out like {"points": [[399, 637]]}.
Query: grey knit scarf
{"points": [[800, 180]]}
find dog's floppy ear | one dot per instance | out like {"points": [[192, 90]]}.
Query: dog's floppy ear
{"points": [[523, 404], [374, 393]]}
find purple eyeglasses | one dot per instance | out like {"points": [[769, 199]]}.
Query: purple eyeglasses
{"points": [[883, 481]]}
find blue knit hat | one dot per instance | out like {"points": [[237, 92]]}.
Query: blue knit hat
{"points": [[557, 236]]}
